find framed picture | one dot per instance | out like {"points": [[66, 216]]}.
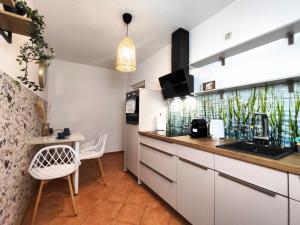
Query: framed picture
{"points": [[210, 85]]}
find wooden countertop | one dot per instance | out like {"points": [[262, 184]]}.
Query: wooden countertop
{"points": [[289, 163]]}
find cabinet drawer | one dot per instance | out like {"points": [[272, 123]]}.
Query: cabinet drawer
{"points": [[270, 179], [240, 203], [163, 162], [162, 186], [197, 156], [161, 145], [294, 186]]}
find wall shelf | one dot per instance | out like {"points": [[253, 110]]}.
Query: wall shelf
{"points": [[283, 32], [8, 2], [285, 80], [14, 23]]}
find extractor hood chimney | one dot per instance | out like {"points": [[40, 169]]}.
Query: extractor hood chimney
{"points": [[178, 83]]}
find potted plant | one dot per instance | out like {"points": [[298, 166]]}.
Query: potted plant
{"points": [[35, 50]]}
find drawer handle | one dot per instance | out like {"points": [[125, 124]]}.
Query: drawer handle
{"points": [[158, 173], [247, 184], [158, 150], [193, 163]]}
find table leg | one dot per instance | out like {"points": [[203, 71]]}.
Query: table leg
{"points": [[76, 174]]}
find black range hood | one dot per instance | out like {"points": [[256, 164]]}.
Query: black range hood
{"points": [[178, 83]]}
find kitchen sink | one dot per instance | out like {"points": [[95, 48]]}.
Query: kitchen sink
{"points": [[259, 150]]}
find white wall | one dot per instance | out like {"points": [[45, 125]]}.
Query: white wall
{"points": [[86, 99], [269, 62], [151, 69], [9, 53], [247, 19]]}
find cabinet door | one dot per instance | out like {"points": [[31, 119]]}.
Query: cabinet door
{"points": [[294, 185], [132, 149], [195, 192], [241, 203], [294, 212]]}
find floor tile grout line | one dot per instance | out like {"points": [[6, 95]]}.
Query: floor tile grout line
{"points": [[116, 178], [143, 215]]}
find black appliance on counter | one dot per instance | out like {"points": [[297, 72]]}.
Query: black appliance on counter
{"points": [[199, 128], [132, 107], [178, 83]]}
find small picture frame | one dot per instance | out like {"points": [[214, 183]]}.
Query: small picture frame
{"points": [[208, 86]]}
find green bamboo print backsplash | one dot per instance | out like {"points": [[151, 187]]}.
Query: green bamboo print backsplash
{"points": [[237, 109]]}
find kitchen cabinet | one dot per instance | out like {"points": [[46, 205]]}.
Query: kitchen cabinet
{"points": [[210, 189], [157, 144], [294, 212], [158, 162], [261, 176], [240, 202], [160, 184], [163, 162], [294, 186], [131, 156], [195, 192]]}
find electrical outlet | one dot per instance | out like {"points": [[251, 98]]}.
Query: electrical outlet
{"points": [[228, 36]]}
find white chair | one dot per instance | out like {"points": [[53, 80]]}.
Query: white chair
{"points": [[50, 163], [93, 142], [90, 151]]}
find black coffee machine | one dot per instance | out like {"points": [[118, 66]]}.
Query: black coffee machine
{"points": [[199, 128]]}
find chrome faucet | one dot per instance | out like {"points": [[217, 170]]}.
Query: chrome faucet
{"points": [[261, 129]]}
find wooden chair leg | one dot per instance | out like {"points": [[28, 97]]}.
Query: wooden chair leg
{"points": [[101, 171], [37, 201], [72, 194], [72, 180]]}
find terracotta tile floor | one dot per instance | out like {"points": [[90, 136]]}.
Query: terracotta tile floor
{"points": [[122, 202]]}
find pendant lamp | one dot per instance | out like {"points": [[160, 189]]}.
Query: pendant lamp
{"points": [[126, 61]]}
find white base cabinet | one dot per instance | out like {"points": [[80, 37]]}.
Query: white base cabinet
{"points": [[294, 185], [240, 203], [131, 156], [294, 212], [209, 189], [160, 184], [195, 192]]}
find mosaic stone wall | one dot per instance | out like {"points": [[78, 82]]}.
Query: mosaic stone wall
{"points": [[18, 122], [237, 109]]}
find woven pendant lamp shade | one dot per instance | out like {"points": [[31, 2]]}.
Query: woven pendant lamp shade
{"points": [[126, 60]]}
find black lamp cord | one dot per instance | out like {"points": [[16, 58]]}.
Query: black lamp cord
{"points": [[126, 30]]}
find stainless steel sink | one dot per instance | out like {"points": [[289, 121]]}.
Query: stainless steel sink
{"points": [[259, 150]]}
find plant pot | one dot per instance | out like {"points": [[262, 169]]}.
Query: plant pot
{"points": [[42, 73], [19, 9]]}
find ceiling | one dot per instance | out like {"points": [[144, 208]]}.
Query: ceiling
{"points": [[88, 32]]}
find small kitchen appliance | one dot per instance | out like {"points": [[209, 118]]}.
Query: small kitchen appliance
{"points": [[198, 128], [216, 129]]}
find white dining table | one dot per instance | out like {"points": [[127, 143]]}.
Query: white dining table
{"points": [[74, 138]]}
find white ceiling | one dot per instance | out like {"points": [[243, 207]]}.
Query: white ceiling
{"points": [[88, 32]]}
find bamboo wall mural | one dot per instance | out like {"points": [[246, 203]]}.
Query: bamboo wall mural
{"points": [[237, 110]]}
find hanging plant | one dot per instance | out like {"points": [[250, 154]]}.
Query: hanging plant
{"points": [[36, 49]]}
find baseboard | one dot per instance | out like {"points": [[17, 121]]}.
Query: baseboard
{"points": [[115, 152]]}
